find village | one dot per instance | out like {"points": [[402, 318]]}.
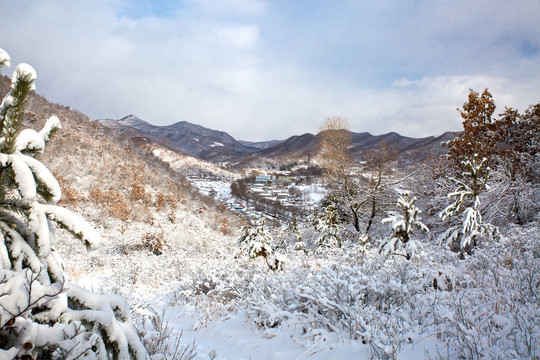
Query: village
{"points": [[273, 196]]}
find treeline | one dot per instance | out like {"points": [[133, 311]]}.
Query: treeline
{"points": [[363, 190]]}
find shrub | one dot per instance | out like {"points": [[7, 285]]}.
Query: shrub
{"points": [[154, 242]]}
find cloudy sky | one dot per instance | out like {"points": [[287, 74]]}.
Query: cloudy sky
{"points": [[269, 69]]}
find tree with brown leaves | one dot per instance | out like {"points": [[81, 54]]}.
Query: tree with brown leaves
{"points": [[477, 123]]}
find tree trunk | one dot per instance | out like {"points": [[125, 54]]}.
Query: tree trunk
{"points": [[373, 213], [356, 220]]}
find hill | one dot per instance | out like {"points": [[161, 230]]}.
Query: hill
{"points": [[220, 147], [111, 178]]}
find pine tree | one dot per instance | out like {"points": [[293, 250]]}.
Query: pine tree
{"points": [[467, 204], [257, 241], [42, 315], [327, 223], [403, 224]]}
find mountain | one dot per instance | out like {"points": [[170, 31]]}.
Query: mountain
{"points": [[261, 145], [184, 137], [294, 147], [218, 146]]}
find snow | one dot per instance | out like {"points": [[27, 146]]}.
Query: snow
{"points": [[23, 176], [29, 139], [52, 124], [234, 339], [215, 143], [4, 58], [236, 308], [7, 102], [75, 224], [25, 71], [44, 177]]}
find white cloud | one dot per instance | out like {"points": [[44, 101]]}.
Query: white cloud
{"points": [[222, 67], [240, 37], [234, 7]]}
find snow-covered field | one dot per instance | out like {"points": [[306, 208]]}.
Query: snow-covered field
{"points": [[349, 303]]}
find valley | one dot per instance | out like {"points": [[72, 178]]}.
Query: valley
{"points": [[269, 180]]}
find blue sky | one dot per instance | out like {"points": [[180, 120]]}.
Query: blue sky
{"points": [[263, 70]]}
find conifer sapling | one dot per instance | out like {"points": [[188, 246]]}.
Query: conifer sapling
{"points": [[42, 315], [257, 241], [467, 203], [327, 224], [403, 223]]}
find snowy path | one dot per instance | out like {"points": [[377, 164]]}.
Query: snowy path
{"points": [[234, 339]]}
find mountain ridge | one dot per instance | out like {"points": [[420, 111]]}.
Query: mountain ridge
{"points": [[220, 147], [191, 139]]}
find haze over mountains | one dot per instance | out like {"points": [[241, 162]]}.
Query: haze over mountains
{"points": [[218, 146]]}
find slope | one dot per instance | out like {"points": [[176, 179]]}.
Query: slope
{"points": [[110, 178]]}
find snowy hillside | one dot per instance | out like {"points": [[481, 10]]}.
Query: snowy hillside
{"points": [[189, 165]]}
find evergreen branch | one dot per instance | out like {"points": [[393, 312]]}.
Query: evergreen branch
{"points": [[12, 115]]}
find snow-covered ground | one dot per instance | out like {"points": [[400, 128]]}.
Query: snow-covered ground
{"points": [[349, 303], [236, 339]]}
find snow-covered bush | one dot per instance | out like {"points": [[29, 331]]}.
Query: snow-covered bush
{"points": [[465, 236], [403, 224], [42, 315], [491, 310]]}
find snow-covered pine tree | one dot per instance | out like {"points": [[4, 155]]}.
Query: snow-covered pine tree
{"points": [[403, 223], [465, 236], [42, 315], [327, 224], [257, 241], [294, 233]]}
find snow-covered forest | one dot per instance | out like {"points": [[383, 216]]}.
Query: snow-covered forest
{"points": [[440, 260]]}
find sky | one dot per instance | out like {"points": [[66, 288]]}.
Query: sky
{"points": [[262, 69]]}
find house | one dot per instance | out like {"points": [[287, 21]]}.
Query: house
{"points": [[285, 179], [263, 179]]}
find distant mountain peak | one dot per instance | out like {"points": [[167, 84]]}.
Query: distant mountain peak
{"points": [[193, 139]]}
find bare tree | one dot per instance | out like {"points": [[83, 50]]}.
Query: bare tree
{"points": [[378, 179], [335, 138]]}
